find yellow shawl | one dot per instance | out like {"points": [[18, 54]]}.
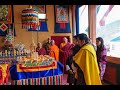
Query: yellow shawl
{"points": [[87, 61]]}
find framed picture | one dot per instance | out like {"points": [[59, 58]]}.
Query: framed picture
{"points": [[61, 14], [5, 14], [40, 8]]}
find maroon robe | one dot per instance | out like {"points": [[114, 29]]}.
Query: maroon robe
{"points": [[65, 54], [41, 51]]}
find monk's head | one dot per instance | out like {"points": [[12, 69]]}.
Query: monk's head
{"points": [[65, 40], [52, 42], [49, 39], [39, 44], [82, 39], [32, 44]]}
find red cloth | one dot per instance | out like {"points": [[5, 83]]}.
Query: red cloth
{"points": [[102, 21], [65, 54], [62, 25], [1, 77], [7, 76], [59, 39], [42, 51]]}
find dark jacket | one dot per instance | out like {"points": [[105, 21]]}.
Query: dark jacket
{"points": [[74, 50]]}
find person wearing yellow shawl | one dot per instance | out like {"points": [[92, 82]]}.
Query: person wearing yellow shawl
{"points": [[86, 60]]}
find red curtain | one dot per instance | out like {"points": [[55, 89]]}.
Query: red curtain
{"points": [[59, 39]]}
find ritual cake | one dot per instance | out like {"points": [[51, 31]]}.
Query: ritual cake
{"points": [[42, 60]]}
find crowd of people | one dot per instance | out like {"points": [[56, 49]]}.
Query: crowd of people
{"points": [[83, 61]]}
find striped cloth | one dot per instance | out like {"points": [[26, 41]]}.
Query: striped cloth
{"points": [[50, 80]]}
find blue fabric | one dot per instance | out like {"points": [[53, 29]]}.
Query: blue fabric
{"points": [[3, 33], [57, 25], [25, 75], [43, 28], [59, 30], [77, 19]]}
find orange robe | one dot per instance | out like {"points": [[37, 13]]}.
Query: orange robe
{"points": [[54, 52]]}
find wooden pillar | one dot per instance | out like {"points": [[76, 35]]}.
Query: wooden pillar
{"points": [[92, 22], [73, 20]]}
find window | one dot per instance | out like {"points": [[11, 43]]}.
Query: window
{"points": [[83, 19], [108, 27]]}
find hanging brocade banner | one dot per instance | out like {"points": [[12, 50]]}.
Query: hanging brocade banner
{"points": [[61, 15], [9, 37], [39, 9], [30, 19]]}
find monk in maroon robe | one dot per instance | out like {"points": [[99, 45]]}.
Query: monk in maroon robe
{"points": [[65, 52], [40, 49]]}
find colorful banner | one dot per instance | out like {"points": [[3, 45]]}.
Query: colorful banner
{"points": [[51, 80], [62, 23], [43, 27], [4, 29], [43, 24], [4, 73]]}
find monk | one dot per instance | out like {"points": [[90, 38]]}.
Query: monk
{"points": [[54, 50], [65, 52], [40, 49], [47, 44], [32, 47], [86, 60]]}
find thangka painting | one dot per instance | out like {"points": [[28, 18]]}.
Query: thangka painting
{"points": [[4, 29], [6, 14], [6, 21], [43, 24], [62, 22]]}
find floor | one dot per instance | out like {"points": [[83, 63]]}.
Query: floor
{"points": [[65, 80]]}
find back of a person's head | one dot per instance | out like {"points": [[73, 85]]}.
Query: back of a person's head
{"points": [[75, 36], [83, 36], [100, 39]]}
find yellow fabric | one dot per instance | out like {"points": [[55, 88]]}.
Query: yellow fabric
{"points": [[34, 69], [62, 45], [4, 70], [87, 61]]}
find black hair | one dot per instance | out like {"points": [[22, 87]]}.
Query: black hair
{"points": [[83, 36], [75, 36], [102, 42]]}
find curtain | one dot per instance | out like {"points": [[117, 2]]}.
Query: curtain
{"points": [[77, 18], [59, 39]]}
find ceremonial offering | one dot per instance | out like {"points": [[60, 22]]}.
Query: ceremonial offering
{"points": [[34, 60]]}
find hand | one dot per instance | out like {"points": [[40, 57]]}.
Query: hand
{"points": [[61, 50], [74, 71], [70, 71]]}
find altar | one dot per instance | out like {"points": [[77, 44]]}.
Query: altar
{"points": [[49, 75]]}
